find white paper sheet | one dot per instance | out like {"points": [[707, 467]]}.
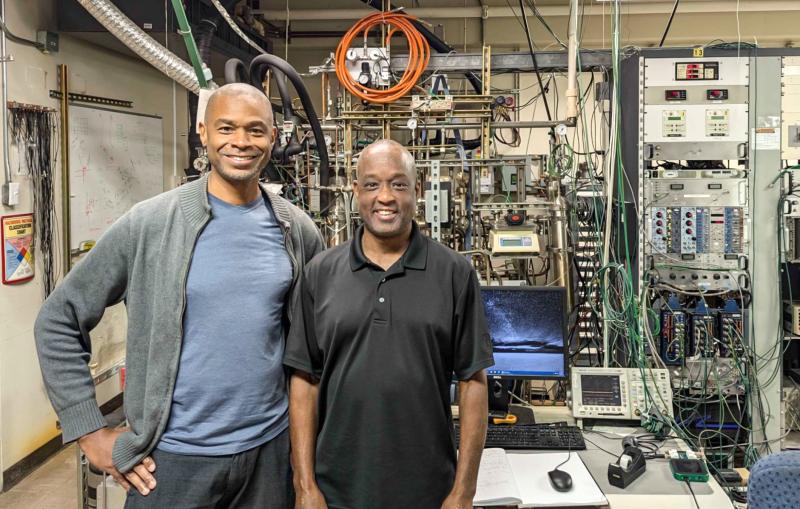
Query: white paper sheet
{"points": [[533, 483]]}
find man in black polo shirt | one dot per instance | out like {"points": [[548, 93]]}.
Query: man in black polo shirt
{"points": [[387, 319]]}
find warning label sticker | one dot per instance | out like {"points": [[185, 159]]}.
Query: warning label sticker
{"points": [[17, 236]]}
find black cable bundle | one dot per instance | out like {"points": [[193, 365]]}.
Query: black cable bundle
{"points": [[34, 130]]}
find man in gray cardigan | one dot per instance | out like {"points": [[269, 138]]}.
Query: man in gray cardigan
{"points": [[206, 271]]}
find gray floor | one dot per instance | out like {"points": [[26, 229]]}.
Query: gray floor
{"points": [[54, 485]]}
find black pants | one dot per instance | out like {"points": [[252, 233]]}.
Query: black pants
{"points": [[258, 478]]}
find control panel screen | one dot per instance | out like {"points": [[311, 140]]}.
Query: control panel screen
{"points": [[600, 390], [516, 241]]}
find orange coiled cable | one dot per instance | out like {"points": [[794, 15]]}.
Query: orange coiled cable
{"points": [[419, 53]]}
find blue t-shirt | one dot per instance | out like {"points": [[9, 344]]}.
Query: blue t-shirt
{"points": [[230, 392]]}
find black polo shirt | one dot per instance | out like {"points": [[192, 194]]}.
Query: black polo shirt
{"points": [[385, 345]]}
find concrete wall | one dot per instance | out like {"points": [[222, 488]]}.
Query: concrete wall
{"points": [[26, 418]]}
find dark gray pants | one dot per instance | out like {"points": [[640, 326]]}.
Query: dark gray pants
{"points": [[258, 478]]}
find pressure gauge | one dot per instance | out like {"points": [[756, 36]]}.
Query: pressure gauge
{"points": [[561, 130], [412, 123]]}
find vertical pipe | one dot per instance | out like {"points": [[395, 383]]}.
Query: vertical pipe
{"points": [[4, 57], [572, 64], [65, 195], [610, 175], [558, 234], [7, 173], [191, 46], [323, 87]]}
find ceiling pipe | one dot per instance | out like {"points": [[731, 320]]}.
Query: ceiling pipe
{"points": [[595, 9]]}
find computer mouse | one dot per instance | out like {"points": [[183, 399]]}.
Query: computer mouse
{"points": [[560, 480]]}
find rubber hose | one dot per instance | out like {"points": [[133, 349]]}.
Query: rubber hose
{"points": [[437, 44], [276, 63], [235, 71]]}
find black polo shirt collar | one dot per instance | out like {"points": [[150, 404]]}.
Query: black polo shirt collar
{"points": [[415, 257]]}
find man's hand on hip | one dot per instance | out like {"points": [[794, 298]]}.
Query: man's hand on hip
{"points": [[310, 499], [98, 446], [457, 502]]}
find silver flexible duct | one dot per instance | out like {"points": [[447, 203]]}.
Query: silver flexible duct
{"points": [[235, 27], [142, 44]]}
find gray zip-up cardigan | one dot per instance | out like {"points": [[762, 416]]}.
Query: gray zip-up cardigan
{"points": [[143, 259]]}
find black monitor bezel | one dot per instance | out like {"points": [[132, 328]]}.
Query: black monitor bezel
{"points": [[565, 354]]}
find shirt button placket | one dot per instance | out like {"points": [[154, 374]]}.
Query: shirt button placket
{"points": [[382, 307]]}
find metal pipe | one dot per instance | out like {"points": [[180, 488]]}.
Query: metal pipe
{"points": [[535, 124], [4, 58], [65, 197], [559, 237], [141, 43], [191, 45], [493, 12], [609, 175], [572, 62]]}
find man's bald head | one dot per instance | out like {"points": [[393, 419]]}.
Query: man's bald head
{"points": [[237, 90], [386, 189], [384, 149], [238, 132]]}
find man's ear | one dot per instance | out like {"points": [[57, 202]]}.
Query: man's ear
{"points": [[203, 133], [355, 189]]}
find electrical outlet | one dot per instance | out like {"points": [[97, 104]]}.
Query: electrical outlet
{"points": [[11, 194], [48, 40]]}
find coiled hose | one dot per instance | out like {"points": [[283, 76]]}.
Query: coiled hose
{"points": [[419, 53]]}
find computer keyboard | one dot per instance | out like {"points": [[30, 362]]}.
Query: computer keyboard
{"points": [[532, 436]]}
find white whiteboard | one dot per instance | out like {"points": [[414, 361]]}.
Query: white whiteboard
{"points": [[115, 161]]}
